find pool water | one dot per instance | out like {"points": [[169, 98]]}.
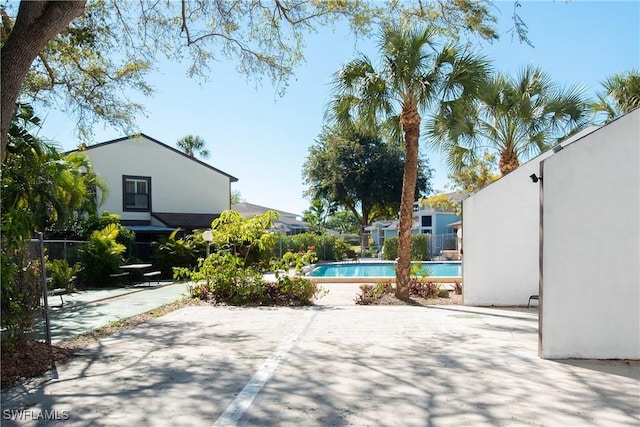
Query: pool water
{"points": [[384, 269]]}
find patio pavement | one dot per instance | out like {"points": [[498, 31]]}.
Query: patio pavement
{"points": [[334, 364]]}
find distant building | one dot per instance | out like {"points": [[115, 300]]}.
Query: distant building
{"points": [[288, 223]]}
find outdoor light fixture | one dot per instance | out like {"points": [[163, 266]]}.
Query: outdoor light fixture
{"points": [[535, 178], [207, 236]]}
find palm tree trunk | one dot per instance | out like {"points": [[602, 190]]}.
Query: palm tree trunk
{"points": [[508, 162], [410, 120]]}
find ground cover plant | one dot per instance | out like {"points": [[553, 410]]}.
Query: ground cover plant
{"points": [[420, 293]]}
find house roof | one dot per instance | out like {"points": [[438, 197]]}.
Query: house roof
{"points": [[185, 220], [175, 150], [290, 219]]}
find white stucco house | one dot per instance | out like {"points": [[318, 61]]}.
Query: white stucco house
{"points": [[542, 230], [156, 188]]}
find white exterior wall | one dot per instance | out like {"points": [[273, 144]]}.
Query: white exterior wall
{"points": [[500, 241], [590, 301], [178, 184], [500, 238]]}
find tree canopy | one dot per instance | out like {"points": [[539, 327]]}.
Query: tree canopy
{"points": [[621, 95], [191, 145], [359, 172], [515, 117], [91, 58]]}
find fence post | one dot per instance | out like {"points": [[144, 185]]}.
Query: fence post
{"points": [[45, 292]]}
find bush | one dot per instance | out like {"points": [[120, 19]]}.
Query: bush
{"points": [[62, 275], [21, 292], [221, 278], [420, 248], [101, 255], [171, 252], [371, 293], [390, 248], [327, 248], [422, 288]]}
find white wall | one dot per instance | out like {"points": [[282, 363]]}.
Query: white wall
{"points": [[500, 238], [590, 301], [178, 184]]}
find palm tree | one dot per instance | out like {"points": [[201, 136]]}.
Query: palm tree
{"points": [[191, 144], [415, 74], [622, 94], [516, 117]]}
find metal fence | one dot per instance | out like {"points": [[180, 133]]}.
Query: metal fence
{"points": [[443, 242], [69, 250], [30, 282]]}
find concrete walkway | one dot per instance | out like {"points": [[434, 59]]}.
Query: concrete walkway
{"points": [[329, 365], [90, 309]]}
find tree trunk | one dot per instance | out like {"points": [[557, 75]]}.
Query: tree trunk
{"points": [[508, 161], [410, 120], [36, 24]]}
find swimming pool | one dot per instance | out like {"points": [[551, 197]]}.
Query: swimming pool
{"points": [[383, 269]]}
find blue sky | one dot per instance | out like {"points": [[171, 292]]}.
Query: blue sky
{"points": [[263, 139]]}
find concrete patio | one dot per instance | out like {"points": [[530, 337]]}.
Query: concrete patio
{"points": [[330, 365]]}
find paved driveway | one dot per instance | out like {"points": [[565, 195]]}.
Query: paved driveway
{"points": [[331, 365]]}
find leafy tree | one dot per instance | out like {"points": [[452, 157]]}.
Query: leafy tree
{"points": [[318, 212], [415, 74], [515, 117], [40, 189], [58, 51], [247, 238], [191, 144], [358, 172], [464, 182], [343, 221], [236, 197], [621, 95]]}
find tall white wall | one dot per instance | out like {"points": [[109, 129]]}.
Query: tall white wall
{"points": [[500, 241], [500, 238], [590, 301]]}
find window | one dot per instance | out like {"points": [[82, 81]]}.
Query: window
{"points": [[136, 193], [426, 221]]}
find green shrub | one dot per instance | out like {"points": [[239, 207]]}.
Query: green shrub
{"points": [[420, 248], [62, 275], [101, 256], [222, 278], [390, 248], [21, 292], [96, 223], [327, 248], [170, 252]]}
